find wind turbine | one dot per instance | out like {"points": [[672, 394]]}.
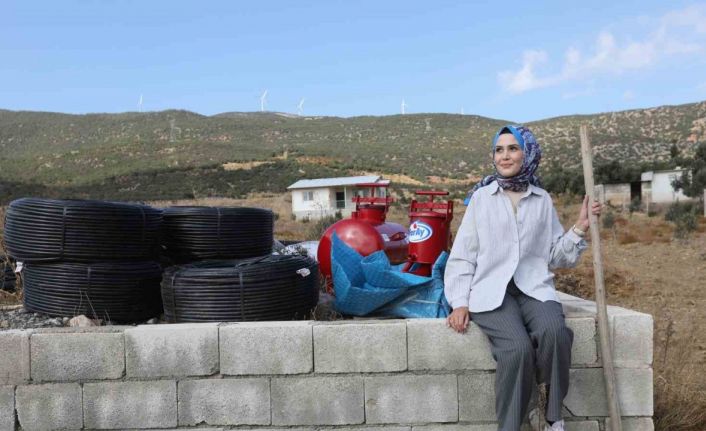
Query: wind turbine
{"points": [[139, 104], [300, 107], [462, 113], [263, 101], [404, 105]]}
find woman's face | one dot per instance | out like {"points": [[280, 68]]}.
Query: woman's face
{"points": [[508, 156]]}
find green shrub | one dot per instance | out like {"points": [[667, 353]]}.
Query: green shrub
{"points": [[317, 229], [677, 209], [684, 215], [635, 205]]}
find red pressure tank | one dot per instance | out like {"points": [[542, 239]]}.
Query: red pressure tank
{"points": [[429, 232], [366, 231]]}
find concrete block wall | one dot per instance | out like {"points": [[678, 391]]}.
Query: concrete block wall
{"points": [[354, 375]]}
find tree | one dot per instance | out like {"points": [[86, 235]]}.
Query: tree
{"points": [[673, 151], [693, 185]]}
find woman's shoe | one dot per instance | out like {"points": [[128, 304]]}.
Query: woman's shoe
{"points": [[556, 426]]}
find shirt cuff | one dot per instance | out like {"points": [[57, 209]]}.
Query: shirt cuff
{"points": [[573, 236], [459, 302]]}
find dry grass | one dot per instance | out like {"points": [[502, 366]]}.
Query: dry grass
{"points": [[679, 405], [647, 270]]}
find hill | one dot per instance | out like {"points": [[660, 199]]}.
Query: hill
{"points": [[175, 154]]}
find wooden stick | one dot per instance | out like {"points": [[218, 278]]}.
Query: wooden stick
{"points": [[603, 333]]}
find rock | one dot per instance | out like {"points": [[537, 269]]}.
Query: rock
{"points": [[82, 322], [153, 321], [55, 322], [4, 324], [65, 320]]}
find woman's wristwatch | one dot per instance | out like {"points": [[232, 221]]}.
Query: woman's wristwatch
{"points": [[578, 231]]}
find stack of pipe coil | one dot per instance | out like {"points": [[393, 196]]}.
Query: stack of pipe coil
{"points": [[86, 257], [245, 282], [271, 287], [197, 233]]}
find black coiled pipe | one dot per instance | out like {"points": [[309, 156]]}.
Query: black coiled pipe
{"points": [[270, 287], [114, 291], [47, 230], [196, 233]]}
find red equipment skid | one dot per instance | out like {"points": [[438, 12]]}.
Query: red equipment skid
{"points": [[429, 232]]}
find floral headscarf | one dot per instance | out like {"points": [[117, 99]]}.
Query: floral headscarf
{"points": [[530, 162]]}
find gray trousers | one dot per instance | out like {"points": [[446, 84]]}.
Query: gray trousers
{"points": [[529, 339]]}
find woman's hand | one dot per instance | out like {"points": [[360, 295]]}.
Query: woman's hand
{"points": [[458, 319], [583, 223]]}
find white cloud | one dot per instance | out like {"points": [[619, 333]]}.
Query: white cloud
{"points": [[676, 33], [525, 78]]}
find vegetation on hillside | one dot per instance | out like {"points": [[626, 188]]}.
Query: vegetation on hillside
{"points": [[179, 153]]}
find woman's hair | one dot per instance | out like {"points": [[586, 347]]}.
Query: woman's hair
{"points": [[505, 131]]}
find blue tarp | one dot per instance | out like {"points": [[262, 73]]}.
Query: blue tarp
{"points": [[371, 286]]}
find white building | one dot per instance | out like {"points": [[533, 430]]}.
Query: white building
{"points": [[320, 197], [614, 194], [657, 186]]}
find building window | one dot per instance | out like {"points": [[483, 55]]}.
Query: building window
{"points": [[308, 195]]}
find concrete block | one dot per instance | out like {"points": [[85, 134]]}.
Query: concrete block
{"points": [[410, 399], [587, 395], [49, 407], [338, 428], [266, 348], [172, 350], [632, 340], [581, 426], [434, 346], [360, 347], [14, 361], [633, 424], [374, 428], [456, 427], [584, 350], [7, 408], [198, 429], [276, 429], [77, 356], [317, 401], [476, 397], [130, 405], [224, 402]]}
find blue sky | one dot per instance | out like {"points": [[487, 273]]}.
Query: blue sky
{"points": [[516, 60]]}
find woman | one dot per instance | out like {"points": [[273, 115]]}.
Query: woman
{"points": [[499, 270]]}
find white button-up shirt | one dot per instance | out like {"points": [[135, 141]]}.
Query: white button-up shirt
{"points": [[493, 246]]}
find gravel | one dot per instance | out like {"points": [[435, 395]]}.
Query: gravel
{"points": [[16, 317]]}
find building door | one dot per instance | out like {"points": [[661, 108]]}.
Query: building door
{"points": [[635, 191]]}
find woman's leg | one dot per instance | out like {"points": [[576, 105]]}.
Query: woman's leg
{"points": [[553, 339], [514, 354]]}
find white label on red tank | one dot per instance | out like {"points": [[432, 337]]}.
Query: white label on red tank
{"points": [[385, 237], [419, 231]]}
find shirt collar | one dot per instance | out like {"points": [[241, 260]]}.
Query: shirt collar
{"points": [[494, 187]]}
